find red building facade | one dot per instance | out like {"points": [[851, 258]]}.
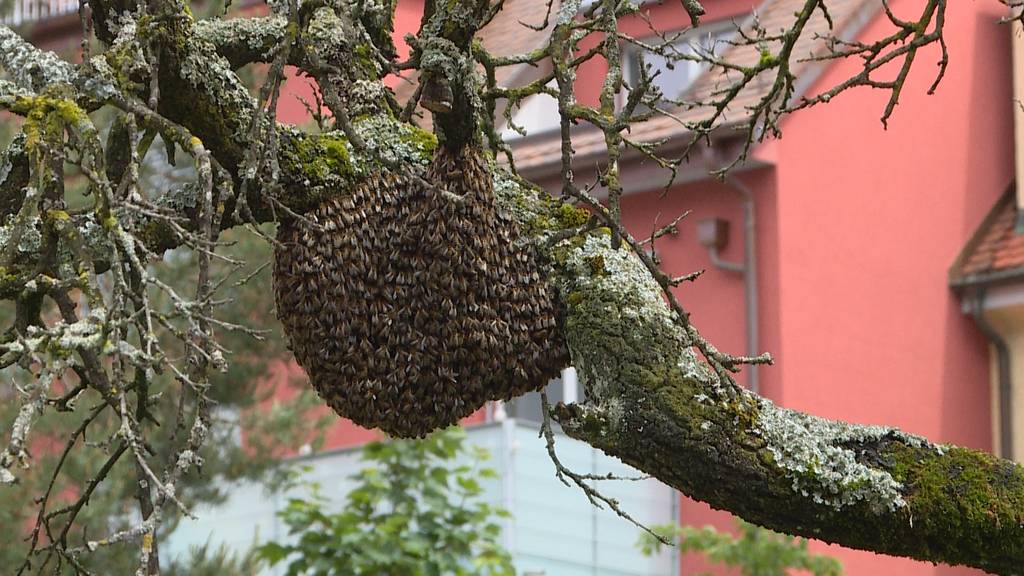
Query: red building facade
{"points": [[855, 226], [852, 226]]}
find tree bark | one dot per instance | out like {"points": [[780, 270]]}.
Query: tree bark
{"points": [[655, 405], [652, 402]]}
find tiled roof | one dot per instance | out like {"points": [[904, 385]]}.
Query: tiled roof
{"points": [[995, 251], [506, 35], [543, 150]]}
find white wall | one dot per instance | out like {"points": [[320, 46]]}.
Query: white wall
{"points": [[554, 530]]}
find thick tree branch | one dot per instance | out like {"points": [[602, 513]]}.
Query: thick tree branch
{"points": [[245, 40], [652, 401], [654, 404], [443, 51], [200, 91]]}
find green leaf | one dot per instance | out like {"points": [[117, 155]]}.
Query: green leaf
{"points": [[272, 552], [413, 512], [755, 551]]}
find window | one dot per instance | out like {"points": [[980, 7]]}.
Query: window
{"points": [[538, 113], [675, 76]]}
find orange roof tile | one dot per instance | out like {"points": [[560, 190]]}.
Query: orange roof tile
{"points": [[995, 251]]}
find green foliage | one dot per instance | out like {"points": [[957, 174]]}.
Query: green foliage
{"points": [[755, 551], [414, 511]]}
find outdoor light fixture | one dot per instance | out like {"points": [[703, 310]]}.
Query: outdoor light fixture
{"points": [[713, 233]]}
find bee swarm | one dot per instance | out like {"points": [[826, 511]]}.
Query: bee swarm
{"points": [[409, 307]]}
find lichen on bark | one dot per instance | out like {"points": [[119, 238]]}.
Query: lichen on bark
{"points": [[653, 403]]}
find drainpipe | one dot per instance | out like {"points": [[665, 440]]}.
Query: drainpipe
{"points": [[1003, 368], [1017, 44], [749, 270], [750, 279]]}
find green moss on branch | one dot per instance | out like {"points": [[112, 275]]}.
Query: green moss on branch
{"points": [[655, 405], [970, 503]]}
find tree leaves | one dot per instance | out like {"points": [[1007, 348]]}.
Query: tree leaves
{"points": [[755, 551], [416, 511]]}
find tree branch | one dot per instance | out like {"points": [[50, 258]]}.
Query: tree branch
{"points": [[655, 405], [652, 401], [244, 40]]}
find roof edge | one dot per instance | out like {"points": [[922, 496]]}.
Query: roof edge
{"points": [[1001, 277], [848, 30], [724, 132], [957, 280]]}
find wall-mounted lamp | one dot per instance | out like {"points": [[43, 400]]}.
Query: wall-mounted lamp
{"points": [[713, 234]]}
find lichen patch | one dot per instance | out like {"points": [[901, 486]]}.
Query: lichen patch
{"points": [[813, 453]]}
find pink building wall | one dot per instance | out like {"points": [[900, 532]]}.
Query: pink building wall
{"points": [[857, 226], [869, 222]]}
